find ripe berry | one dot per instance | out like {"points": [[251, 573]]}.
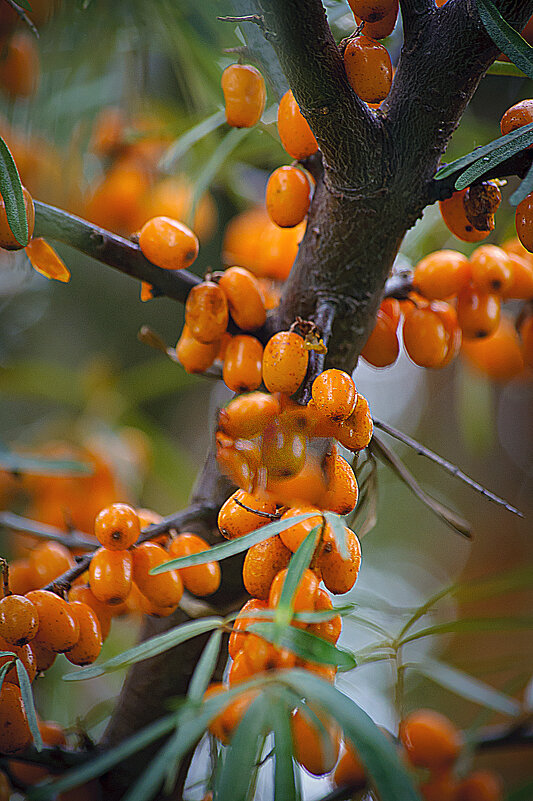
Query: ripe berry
{"points": [[244, 95], [22, 578], [316, 749], [239, 460], [15, 734], [243, 363], [382, 346], [240, 670], [283, 450], [261, 655], [308, 486], [262, 564], [492, 269], [248, 415], [305, 595], [235, 521], [245, 300], [194, 356], [329, 630], [481, 785], [199, 579], [7, 238], [383, 27], [524, 222], [19, 619], [371, 10], [334, 394], [368, 69], [164, 589], [49, 560], [350, 770], [103, 611], [499, 356], [44, 657], [441, 786], [293, 536], [89, 644], [478, 313], [285, 361], [225, 723], [342, 490], [58, 629], [454, 215], [288, 195], [45, 260], [522, 282], [25, 654], [430, 739], [242, 621], [110, 575], [356, 431], [168, 243], [425, 337], [294, 131], [117, 527], [340, 574], [441, 274], [206, 312], [518, 115]]}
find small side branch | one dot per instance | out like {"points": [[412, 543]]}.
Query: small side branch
{"points": [[71, 539], [56, 759], [516, 165]]}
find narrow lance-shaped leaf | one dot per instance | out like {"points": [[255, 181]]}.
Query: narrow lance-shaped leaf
{"points": [[472, 625], [11, 191], [483, 165], [305, 645], [183, 143], [285, 770], [525, 188], [297, 566], [29, 706], [337, 524], [508, 40], [17, 462], [204, 669]]}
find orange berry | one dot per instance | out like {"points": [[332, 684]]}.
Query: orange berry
{"points": [[239, 460], [232, 715], [198, 579], [442, 274], [368, 69], [235, 521], [499, 355], [261, 655], [522, 282], [481, 785], [243, 363], [308, 486], [296, 136], [392, 309], [89, 644], [244, 296], [244, 95], [329, 630], [15, 734], [116, 202], [7, 238], [19, 619], [25, 654], [524, 222], [117, 527], [371, 10], [242, 621], [240, 669], [478, 313], [168, 243], [103, 611], [58, 629], [288, 195], [248, 415], [44, 657], [339, 574], [334, 394], [316, 749], [526, 333], [304, 598], [194, 356], [164, 589], [454, 215], [383, 27], [342, 490], [356, 431], [45, 260], [20, 66], [350, 770], [285, 361], [283, 450], [262, 564], [492, 269], [382, 346], [52, 735], [430, 739], [49, 560], [22, 577], [110, 575], [518, 115], [441, 786], [206, 312], [425, 338], [293, 536], [173, 197]]}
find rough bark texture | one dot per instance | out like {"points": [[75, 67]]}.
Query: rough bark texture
{"points": [[377, 179]]}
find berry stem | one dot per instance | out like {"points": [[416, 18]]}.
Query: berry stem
{"points": [[5, 578]]}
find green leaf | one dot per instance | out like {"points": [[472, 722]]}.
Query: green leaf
{"points": [[305, 645], [231, 547], [491, 160], [24, 4], [525, 188], [148, 648], [285, 776], [18, 463], [460, 683], [183, 143], [379, 756], [11, 191], [204, 669], [508, 40], [297, 566], [472, 625], [29, 706], [304, 617], [522, 134], [337, 524], [6, 666], [505, 68]]}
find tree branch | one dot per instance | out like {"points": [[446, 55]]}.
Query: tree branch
{"points": [[71, 539]]}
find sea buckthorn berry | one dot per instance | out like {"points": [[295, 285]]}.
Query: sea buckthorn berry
{"points": [[371, 10], [350, 770], [248, 415], [442, 274], [239, 460], [340, 574], [52, 735], [306, 487], [19, 619], [20, 66], [168, 243], [356, 432], [499, 356], [430, 739], [342, 491], [89, 644], [316, 747], [478, 313], [117, 527], [283, 450], [240, 669], [44, 657], [26, 656], [232, 715], [49, 560], [198, 579], [481, 202], [244, 296], [329, 630], [15, 733], [164, 589], [235, 521], [296, 136], [110, 575], [481, 785], [244, 619], [383, 27], [206, 312], [103, 611], [524, 222], [454, 215], [334, 394], [288, 195], [262, 564], [261, 655], [7, 238], [45, 260], [22, 577], [492, 269], [285, 361], [526, 334], [244, 95], [107, 136], [382, 346], [448, 316], [320, 424], [425, 338], [142, 604], [368, 69], [293, 536], [243, 363], [194, 356], [522, 283], [518, 115], [305, 595], [441, 786], [58, 628], [391, 307]]}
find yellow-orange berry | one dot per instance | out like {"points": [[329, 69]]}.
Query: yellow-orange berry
{"points": [[283, 450], [430, 739], [342, 491], [25, 654], [499, 355], [334, 394], [350, 770], [14, 730], [244, 296], [163, 589], [206, 312], [368, 69], [371, 10], [425, 338], [454, 215], [243, 363], [492, 269], [198, 579], [248, 415], [288, 195], [285, 361], [481, 785], [296, 136], [117, 527], [316, 749], [236, 521], [329, 630], [340, 574], [441, 274], [518, 115], [194, 356], [103, 611], [168, 243], [7, 238], [383, 27], [262, 564], [382, 346], [478, 313], [244, 95], [356, 431], [49, 560], [110, 575], [19, 619], [244, 619], [524, 222], [58, 629], [20, 66], [89, 644], [305, 595]]}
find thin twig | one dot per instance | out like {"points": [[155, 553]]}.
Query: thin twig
{"points": [[5, 578], [421, 450], [71, 539], [24, 17], [257, 19], [269, 515]]}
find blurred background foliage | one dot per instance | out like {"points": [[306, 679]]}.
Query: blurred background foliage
{"points": [[72, 369]]}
